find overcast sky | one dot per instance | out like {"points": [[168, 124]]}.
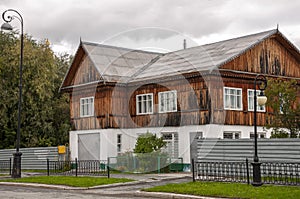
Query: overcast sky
{"points": [[157, 25]]}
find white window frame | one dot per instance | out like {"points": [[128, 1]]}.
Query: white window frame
{"points": [[170, 103], [227, 105], [85, 104], [251, 101], [235, 134], [260, 135], [119, 143], [172, 143], [147, 108]]}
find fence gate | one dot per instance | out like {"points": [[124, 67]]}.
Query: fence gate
{"points": [[89, 146]]}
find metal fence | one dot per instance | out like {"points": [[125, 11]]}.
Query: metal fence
{"points": [[145, 163], [269, 150], [221, 171], [6, 166], [34, 158], [280, 173], [271, 172], [78, 167]]}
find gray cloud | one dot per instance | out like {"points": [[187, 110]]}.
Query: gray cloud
{"points": [[64, 22]]}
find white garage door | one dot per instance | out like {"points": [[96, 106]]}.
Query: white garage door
{"points": [[89, 146]]}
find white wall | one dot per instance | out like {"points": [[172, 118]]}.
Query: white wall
{"points": [[108, 137]]}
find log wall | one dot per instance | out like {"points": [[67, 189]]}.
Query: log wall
{"points": [[200, 99]]}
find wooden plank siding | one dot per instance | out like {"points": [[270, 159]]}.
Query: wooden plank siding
{"points": [[114, 108], [199, 99], [269, 57], [86, 72]]}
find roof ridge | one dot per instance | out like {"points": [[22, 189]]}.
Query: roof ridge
{"points": [[119, 47], [272, 31], [143, 68]]}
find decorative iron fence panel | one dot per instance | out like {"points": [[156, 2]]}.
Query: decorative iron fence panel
{"points": [[6, 166], [78, 167], [221, 171], [271, 172], [280, 173]]}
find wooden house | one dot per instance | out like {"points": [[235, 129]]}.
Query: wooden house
{"points": [[117, 94]]}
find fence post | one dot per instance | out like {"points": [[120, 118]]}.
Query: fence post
{"points": [[193, 170], [158, 164], [48, 167], [181, 162], [76, 167], [9, 166], [247, 167], [108, 174]]}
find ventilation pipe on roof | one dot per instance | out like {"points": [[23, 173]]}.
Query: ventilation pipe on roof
{"points": [[184, 44]]}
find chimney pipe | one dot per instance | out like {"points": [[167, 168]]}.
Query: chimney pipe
{"points": [[184, 44]]}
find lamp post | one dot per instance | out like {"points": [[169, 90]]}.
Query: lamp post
{"points": [[260, 100], [16, 172]]}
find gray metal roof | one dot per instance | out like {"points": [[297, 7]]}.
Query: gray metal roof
{"points": [[126, 65], [202, 58], [116, 63]]}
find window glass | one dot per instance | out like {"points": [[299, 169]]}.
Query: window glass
{"points": [[144, 103], [86, 107], [167, 101], [251, 101], [233, 98]]}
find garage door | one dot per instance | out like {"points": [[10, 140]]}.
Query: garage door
{"points": [[89, 146]]}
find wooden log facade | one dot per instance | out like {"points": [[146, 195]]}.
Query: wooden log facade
{"points": [[200, 96]]}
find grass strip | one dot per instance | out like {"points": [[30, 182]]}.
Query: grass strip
{"points": [[230, 190], [70, 180]]}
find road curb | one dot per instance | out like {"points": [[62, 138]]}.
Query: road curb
{"points": [[61, 187], [170, 195]]}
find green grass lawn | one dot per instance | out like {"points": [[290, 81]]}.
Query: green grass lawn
{"points": [[230, 190], [70, 180]]}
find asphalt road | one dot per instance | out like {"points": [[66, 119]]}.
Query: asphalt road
{"points": [[19, 192], [126, 191]]}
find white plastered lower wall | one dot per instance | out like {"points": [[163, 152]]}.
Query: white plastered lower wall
{"points": [[108, 137]]}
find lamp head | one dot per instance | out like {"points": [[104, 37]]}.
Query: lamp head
{"points": [[6, 26], [262, 100]]}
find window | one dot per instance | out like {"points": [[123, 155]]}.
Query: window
{"points": [[119, 143], [86, 107], [259, 135], [231, 135], [167, 101], [233, 98], [144, 104], [172, 144], [251, 101]]}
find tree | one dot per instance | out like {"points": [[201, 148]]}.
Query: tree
{"points": [[149, 143], [283, 99], [148, 149], [45, 112]]}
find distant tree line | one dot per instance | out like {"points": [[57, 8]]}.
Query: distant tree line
{"points": [[45, 112]]}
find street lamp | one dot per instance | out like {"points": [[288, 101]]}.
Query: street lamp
{"points": [[260, 100], [16, 172]]}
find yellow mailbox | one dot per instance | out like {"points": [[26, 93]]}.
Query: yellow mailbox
{"points": [[61, 149]]}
